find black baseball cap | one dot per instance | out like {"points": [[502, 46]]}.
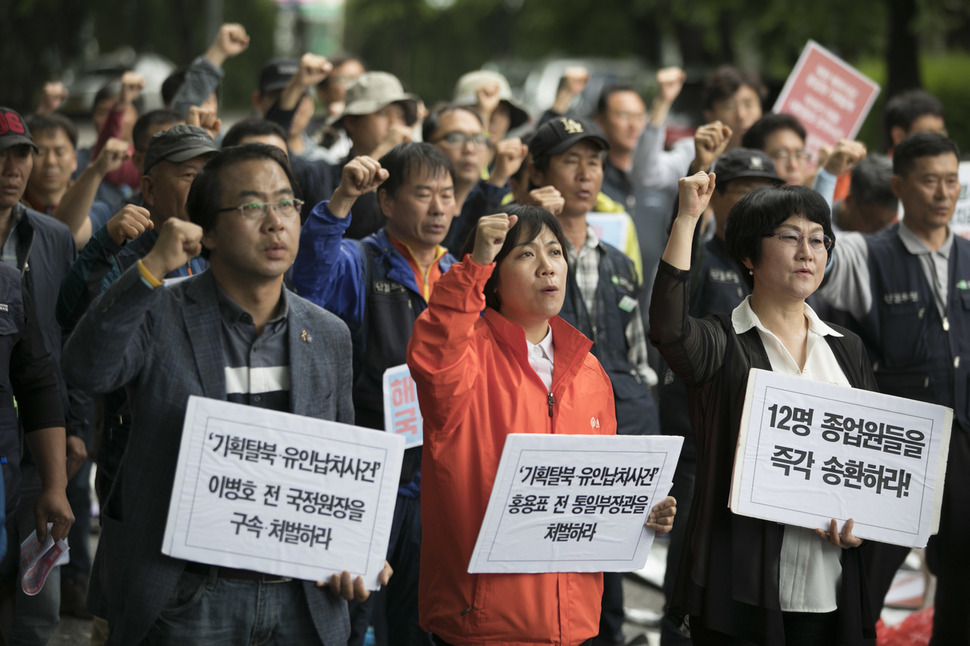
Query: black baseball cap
{"points": [[745, 162], [178, 144], [558, 135], [277, 73], [13, 130]]}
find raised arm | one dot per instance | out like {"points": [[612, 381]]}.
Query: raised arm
{"points": [[441, 356], [329, 270], [693, 348], [204, 74], [79, 198]]}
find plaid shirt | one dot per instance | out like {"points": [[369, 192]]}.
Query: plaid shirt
{"points": [[585, 265]]}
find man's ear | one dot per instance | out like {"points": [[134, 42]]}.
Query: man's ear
{"points": [[747, 264], [147, 186], [538, 177], [896, 135], [385, 201], [896, 183], [207, 240]]}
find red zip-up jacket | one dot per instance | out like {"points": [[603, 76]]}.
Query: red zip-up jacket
{"points": [[475, 386]]}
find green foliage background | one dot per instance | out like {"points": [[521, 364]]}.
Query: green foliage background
{"points": [[429, 43]]}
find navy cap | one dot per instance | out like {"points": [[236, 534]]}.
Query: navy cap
{"points": [[556, 136]]}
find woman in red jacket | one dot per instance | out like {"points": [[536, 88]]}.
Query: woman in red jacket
{"points": [[518, 367]]}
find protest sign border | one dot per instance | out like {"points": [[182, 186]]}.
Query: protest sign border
{"points": [[524, 446], [186, 491], [814, 46], [739, 494]]}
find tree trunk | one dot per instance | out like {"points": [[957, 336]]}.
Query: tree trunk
{"points": [[902, 50]]}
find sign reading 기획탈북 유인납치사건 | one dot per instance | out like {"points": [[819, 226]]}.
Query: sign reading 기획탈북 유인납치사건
{"points": [[574, 503], [282, 494]]}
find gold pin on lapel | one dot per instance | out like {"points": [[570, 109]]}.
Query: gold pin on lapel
{"points": [[305, 337]]}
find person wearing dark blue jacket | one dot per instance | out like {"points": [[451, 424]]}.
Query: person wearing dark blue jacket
{"points": [[379, 286], [908, 289]]}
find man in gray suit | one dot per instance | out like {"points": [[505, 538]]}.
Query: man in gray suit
{"points": [[167, 343]]}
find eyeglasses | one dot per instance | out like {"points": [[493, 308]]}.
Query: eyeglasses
{"points": [[460, 139], [784, 156], [254, 211], [816, 242], [633, 117]]}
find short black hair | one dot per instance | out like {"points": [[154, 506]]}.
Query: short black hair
{"points": [[604, 98], [112, 90], [532, 220], [252, 127], [173, 83], [205, 195], [922, 144], [903, 109], [160, 117], [758, 214], [38, 123], [404, 159], [433, 121], [760, 130], [725, 81], [871, 181]]}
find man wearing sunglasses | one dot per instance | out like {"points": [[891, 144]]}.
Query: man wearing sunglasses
{"points": [[204, 337]]}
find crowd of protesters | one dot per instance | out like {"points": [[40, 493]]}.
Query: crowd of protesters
{"points": [[457, 238]]}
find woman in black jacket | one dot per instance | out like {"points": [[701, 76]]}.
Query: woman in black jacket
{"points": [[744, 580]]}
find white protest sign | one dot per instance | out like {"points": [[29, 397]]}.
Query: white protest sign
{"points": [[574, 503], [613, 228], [830, 97], [402, 416], [282, 494], [809, 452], [961, 215]]}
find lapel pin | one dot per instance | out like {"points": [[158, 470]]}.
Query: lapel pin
{"points": [[305, 337]]}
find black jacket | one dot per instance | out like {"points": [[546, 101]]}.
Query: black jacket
{"points": [[729, 571]]}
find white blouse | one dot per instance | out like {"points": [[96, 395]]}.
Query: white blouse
{"points": [[810, 568]]}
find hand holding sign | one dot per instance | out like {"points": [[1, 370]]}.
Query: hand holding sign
{"points": [[843, 539], [661, 518], [354, 589]]}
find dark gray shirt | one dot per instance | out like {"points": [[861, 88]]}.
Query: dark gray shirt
{"points": [[256, 365]]}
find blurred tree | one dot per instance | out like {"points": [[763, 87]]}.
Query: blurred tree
{"points": [[429, 43], [177, 29], [35, 48], [40, 39]]}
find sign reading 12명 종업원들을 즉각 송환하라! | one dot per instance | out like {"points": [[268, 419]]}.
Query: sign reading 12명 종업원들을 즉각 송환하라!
{"points": [[809, 452], [282, 494], [574, 503]]}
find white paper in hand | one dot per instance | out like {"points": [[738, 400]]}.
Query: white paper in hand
{"points": [[37, 561]]}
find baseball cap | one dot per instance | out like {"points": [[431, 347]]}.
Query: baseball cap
{"points": [[556, 136], [373, 91], [277, 73], [13, 130], [178, 144], [468, 84], [745, 162]]}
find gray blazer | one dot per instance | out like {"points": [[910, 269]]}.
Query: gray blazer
{"points": [[164, 345]]}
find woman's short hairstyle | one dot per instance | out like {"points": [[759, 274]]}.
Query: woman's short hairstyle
{"points": [[760, 212], [532, 220]]}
